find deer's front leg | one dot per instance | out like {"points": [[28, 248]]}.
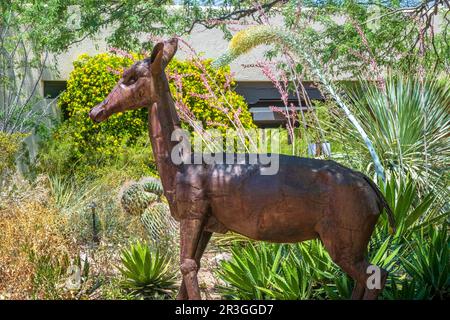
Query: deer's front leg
{"points": [[190, 231], [202, 243]]}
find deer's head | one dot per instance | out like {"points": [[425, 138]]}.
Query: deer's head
{"points": [[140, 86]]}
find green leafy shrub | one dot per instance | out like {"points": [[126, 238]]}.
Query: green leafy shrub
{"points": [[204, 105], [148, 273], [61, 157], [94, 77], [89, 83], [79, 146]]}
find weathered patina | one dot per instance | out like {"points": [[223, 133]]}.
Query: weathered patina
{"points": [[305, 199]]}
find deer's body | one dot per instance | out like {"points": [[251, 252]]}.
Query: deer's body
{"points": [[277, 208], [305, 199]]}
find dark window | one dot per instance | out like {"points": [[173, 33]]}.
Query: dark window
{"points": [[53, 89], [260, 96]]}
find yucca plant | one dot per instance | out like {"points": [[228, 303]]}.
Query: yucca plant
{"points": [[314, 254], [330, 281], [269, 271], [48, 275], [412, 209], [247, 39], [339, 287], [148, 272], [68, 195], [408, 122], [405, 289]]}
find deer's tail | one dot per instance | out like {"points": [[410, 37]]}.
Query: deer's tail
{"points": [[382, 199]]}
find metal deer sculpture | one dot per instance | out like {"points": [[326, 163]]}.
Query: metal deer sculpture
{"points": [[305, 199]]}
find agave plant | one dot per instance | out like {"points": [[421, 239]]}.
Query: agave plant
{"points": [[148, 272], [248, 274], [429, 262], [267, 271]]}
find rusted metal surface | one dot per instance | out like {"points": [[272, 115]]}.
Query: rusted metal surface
{"points": [[305, 199]]}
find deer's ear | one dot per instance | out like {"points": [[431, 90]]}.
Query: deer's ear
{"points": [[170, 48], [162, 53], [156, 58]]}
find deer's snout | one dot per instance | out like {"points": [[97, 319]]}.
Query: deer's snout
{"points": [[98, 113]]}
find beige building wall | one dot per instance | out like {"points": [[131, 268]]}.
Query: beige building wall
{"points": [[208, 42]]}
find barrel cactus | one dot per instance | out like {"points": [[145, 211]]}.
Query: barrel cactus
{"points": [[137, 196], [135, 199], [144, 199], [161, 227], [152, 185]]}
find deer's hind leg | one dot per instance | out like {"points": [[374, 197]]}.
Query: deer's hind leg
{"points": [[348, 247]]}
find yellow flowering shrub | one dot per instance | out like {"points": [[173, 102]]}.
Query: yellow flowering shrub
{"points": [[9, 146], [78, 141], [89, 83]]}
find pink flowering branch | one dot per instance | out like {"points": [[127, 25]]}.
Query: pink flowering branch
{"points": [[117, 72], [280, 81], [122, 53], [216, 124], [201, 96], [371, 59]]}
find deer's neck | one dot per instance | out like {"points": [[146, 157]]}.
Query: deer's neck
{"points": [[163, 120]]}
